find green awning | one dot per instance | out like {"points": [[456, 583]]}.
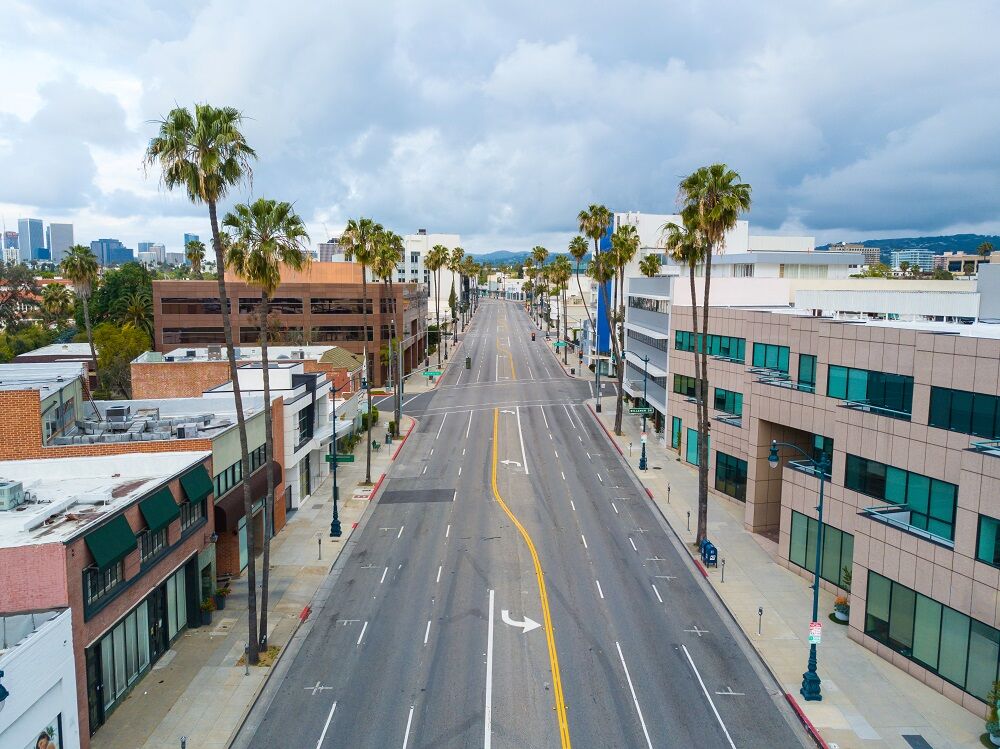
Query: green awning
{"points": [[111, 542], [159, 509], [197, 484]]}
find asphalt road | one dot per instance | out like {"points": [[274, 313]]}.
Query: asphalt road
{"points": [[509, 502]]}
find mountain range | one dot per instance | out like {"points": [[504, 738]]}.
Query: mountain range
{"points": [[938, 245]]}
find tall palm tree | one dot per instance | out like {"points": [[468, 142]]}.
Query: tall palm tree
{"points": [[136, 311], [206, 154], [455, 266], [985, 249], [388, 255], [561, 272], [194, 252], [79, 265], [594, 222], [528, 272], [471, 271], [436, 259], [540, 255], [266, 234], [360, 240], [649, 266], [624, 245], [578, 249], [716, 195], [57, 303]]}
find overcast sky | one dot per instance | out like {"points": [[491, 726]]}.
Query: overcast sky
{"points": [[500, 121]]}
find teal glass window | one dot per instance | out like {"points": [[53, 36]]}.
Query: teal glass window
{"points": [[771, 356], [675, 432], [836, 382], [684, 385], [807, 372], [954, 651], [988, 545], [728, 401], [977, 414], [889, 393], [731, 476], [927, 631], [838, 548], [692, 447]]}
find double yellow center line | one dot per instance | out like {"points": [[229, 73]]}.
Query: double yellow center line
{"points": [[550, 636]]}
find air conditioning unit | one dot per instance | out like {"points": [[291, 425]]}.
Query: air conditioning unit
{"points": [[298, 354], [118, 416], [191, 353], [187, 431], [215, 353], [11, 494]]}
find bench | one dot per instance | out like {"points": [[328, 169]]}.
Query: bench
{"points": [[376, 445]]}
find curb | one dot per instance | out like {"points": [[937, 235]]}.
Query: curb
{"points": [[403, 441], [820, 742]]}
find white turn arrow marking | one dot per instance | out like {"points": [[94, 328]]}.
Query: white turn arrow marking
{"points": [[527, 625], [509, 462]]}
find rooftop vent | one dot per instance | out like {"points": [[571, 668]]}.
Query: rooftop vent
{"points": [[191, 353], [214, 353], [118, 417], [11, 494], [298, 354]]}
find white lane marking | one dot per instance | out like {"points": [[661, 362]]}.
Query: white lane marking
{"points": [[488, 712], [520, 435], [463, 449], [400, 531], [447, 531], [658, 597], [569, 416], [544, 417], [633, 544], [442, 425], [439, 574], [708, 697], [326, 726], [362, 635], [550, 435], [460, 470], [572, 505], [467, 430], [459, 380], [498, 367], [454, 496], [584, 541], [424, 471], [530, 376], [601, 592], [563, 475], [556, 452], [588, 457], [579, 438], [406, 736], [427, 632], [591, 389], [598, 476], [384, 573], [432, 452], [508, 341], [635, 699], [616, 507]]}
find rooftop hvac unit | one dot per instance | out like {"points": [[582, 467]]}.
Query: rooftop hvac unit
{"points": [[298, 354], [191, 353], [168, 358], [187, 431], [11, 494], [215, 353], [118, 416]]}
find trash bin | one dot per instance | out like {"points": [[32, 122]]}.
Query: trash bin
{"points": [[388, 438], [468, 362]]}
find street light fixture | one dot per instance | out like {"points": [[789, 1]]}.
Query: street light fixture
{"points": [[335, 530], [645, 403], [810, 690]]}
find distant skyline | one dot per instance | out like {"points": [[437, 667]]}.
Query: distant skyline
{"points": [[501, 121]]}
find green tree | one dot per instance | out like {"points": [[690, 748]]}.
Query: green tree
{"points": [[540, 255], [80, 266], [941, 274], [388, 256], [624, 246], [206, 154], [266, 235], [194, 252], [18, 293], [57, 303], [455, 266], [436, 259], [561, 272], [878, 270], [578, 249], [136, 311], [985, 249], [716, 196], [117, 347], [649, 266], [360, 242]]}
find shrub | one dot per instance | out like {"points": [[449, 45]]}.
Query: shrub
{"points": [[842, 604]]}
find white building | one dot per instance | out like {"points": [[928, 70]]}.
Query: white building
{"points": [[36, 659]]}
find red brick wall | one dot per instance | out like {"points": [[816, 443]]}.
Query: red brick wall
{"points": [[177, 379], [32, 578]]}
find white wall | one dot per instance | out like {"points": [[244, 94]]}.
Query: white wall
{"points": [[40, 675], [775, 243]]}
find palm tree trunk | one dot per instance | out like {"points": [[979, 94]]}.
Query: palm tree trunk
{"points": [[565, 296], [227, 331], [614, 350], [268, 457], [398, 379], [579, 285], [698, 394], [706, 424], [90, 337], [368, 372], [437, 311], [618, 333]]}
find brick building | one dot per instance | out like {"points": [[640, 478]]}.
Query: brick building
{"points": [[322, 305]]}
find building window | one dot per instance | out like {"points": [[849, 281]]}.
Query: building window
{"points": [[770, 356], [661, 344], [99, 583], [414, 258], [649, 305], [305, 422], [684, 385], [231, 475], [930, 503], [729, 402], [722, 346], [337, 333], [675, 432], [731, 476], [963, 650], [170, 305], [960, 411], [191, 513], [807, 372], [637, 374], [280, 305], [988, 544], [190, 335], [838, 548], [124, 654], [887, 394], [339, 306], [692, 446], [151, 543]]}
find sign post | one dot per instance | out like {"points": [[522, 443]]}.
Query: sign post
{"points": [[815, 633]]}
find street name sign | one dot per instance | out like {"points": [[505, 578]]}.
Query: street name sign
{"points": [[641, 410], [341, 458]]}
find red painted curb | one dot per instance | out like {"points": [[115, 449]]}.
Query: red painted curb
{"points": [[377, 485], [403, 441], [649, 492], [305, 613], [613, 441], [353, 526], [701, 568], [806, 722]]}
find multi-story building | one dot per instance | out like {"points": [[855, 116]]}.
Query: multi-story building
{"points": [[330, 251], [320, 305], [647, 339], [111, 252], [908, 412], [58, 240], [871, 255], [190, 238], [174, 258], [10, 240], [919, 257], [966, 263], [30, 239]]}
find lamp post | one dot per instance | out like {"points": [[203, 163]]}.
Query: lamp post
{"points": [[810, 690], [645, 403], [335, 531]]}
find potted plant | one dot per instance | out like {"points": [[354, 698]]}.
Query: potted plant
{"points": [[220, 597], [992, 718], [842, 608], [207, 607]]}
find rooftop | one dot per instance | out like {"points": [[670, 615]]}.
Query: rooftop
{"points": [[243, 353], [975, 329], [81, 350], [46, 378], [65, 497], [15, 629]]}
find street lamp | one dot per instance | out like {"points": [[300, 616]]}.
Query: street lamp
{"points": [[645, 403], [810, 690], [335, 531]]}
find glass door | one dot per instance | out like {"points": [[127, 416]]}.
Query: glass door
{"points": [[157, 623], [95, 688]]}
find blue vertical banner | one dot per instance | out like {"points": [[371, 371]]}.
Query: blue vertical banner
{"points": [[603, 326]]}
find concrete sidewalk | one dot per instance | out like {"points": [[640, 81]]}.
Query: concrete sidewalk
{"points": [[197, 689], [867, 702]]}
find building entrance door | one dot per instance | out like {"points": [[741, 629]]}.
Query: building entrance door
{"points": [[157, 623]]}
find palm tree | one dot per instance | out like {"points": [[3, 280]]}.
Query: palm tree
{"points": [[716, 196], [57, 303], [194, 252], [561, 272], [389, 254], [624, 245], [594, 223], [79, 265], [206, 154], [649, 266], [540, 255], [360, 240], [985, 249], [578, 249], [266, 234], [528, 271], [455, 266], [471, 271], [136, 311], [436, 259]]}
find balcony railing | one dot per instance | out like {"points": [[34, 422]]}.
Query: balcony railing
{"points": [[730, 359], [731, 419], [988, 447], [804, 466], [899, 517], [869, 407], [786, 382]]}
